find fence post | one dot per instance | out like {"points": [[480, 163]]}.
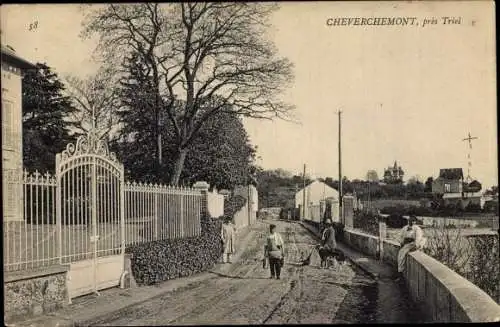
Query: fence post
{"points": [[156, 214]]}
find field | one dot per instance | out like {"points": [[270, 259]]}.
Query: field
{"points": [[382, 203]]}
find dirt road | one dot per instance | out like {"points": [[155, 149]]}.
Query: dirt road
{"points": [[242, 293]]}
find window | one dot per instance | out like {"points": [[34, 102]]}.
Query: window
{"points": [[447, 188]]}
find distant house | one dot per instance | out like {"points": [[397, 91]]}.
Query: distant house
{"points": [[450, 180], [317, 194], [393, 174], [450, 184]]}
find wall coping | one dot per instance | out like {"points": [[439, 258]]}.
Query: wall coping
{"points": [[476, 303], [354, 231], [14, 276], [392, 242]]}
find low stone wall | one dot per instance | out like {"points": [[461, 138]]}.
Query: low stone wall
{"points": [[443, 294], [390, 252], [30, 293], [365, 243]]}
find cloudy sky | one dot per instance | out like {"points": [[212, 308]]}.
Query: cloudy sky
{"points": [[408, 93]]}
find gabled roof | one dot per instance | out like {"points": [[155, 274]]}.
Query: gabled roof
{"points": [[9, 55], [316, 181], [451, 173]]}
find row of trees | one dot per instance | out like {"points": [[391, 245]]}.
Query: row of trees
{"points": [[176, 80]]}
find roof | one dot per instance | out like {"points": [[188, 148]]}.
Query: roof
{"points": [[9, 55], [451, 173], [317, 181]]}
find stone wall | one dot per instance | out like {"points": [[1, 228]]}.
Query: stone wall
{"points": [[365, 243], [442, 294], [247, 215], [35, 292]]}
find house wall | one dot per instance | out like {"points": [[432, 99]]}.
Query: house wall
{"points": [[215, 204], [248, 214], [315, 193], [438, 185], [12, 160]]}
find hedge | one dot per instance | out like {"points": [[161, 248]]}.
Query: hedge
{"points": [[233, 204], [158, 261]]}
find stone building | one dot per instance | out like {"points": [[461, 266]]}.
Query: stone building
{"points": [[393, 174], [12, 131]]}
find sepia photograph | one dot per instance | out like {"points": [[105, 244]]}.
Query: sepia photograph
{"points": [[249, 163]]}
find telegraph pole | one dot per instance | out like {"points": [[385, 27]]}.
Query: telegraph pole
{"points": [[304, 193], [341, 207], [469, 162]]}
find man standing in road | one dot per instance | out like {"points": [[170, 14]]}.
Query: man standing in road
{"points": [[228, 240], [274, 250]]}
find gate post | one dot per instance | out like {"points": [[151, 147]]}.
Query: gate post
{"points": [[94, 218], [122, 209], [58, 207]]}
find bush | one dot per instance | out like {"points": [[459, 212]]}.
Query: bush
{"points": [[367, 222], [473, 207], [233, 204], [485, 264], [158, 261]]}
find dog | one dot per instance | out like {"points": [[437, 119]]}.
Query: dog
{"points": [[327, 255]]}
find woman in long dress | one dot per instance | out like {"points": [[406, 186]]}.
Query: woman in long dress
{"points": [[411, 238], [228, 240]]}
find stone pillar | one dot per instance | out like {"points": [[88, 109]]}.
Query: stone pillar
{"points": [[203, 187], [348, 208], [382, 230]]}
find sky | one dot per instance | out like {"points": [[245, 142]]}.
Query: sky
{"points": [[407, 93]]}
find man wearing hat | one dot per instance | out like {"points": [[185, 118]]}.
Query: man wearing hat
{"points": [[411, 238], [328, 238]]}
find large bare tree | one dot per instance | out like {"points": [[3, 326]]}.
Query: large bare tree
{"points": [[96, 99], [213, 56]]}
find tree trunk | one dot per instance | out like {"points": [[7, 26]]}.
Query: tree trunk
{"points": [[178, 166]]}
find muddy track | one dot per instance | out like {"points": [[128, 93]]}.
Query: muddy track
{"points": [[242, 293]]}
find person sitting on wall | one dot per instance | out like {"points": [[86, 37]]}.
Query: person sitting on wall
{"points": [[411, 238]]}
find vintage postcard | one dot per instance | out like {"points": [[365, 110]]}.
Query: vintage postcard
{"points": [[249, 163]]}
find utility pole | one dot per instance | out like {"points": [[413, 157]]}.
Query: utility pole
{"points": [[341, 206], [304, 193], [469, 162]]}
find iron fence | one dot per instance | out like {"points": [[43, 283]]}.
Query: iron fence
{"points": [[33, 238]]}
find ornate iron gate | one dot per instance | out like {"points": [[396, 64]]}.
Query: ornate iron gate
{"points": [[90, 214]]}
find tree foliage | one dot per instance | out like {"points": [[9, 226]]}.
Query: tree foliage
{"points": [[221, 154], [45, 129], [277, 187], [209, 55], [96, 99]]}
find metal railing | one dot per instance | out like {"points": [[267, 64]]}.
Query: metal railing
{"points": [[29, 237], [33, 238], [159, 212]]}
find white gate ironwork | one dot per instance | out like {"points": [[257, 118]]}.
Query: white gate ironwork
{"points": [[90, 214]]}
